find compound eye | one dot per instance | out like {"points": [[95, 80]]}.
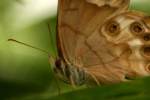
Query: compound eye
{"points": [[58, 64], [112, 28], [146, 51], [137, 28]]}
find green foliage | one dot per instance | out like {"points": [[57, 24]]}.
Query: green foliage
{"points": [[25, 73], [134, 90]]}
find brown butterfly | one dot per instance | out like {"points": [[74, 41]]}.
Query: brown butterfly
{"points": [[100, 42]]}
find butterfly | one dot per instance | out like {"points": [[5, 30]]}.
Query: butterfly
{"points": [[100, 42]]}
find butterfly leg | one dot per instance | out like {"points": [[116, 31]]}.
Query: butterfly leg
{"points": [[94, 78], [75, 75], [72, 81]]}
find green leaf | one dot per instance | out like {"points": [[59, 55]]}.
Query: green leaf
{"points": [[133, 90]]}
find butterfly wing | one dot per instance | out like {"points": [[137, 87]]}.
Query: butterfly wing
{"points": [[77, 20], [78, 41], [126, 36]]}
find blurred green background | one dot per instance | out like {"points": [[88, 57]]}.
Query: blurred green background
{"points": [[24, 72]]}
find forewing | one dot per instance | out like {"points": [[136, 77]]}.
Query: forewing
{"points": [[77, 21]]}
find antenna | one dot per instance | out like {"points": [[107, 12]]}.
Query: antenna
{"points": [[25, 44], [51, 58]]}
